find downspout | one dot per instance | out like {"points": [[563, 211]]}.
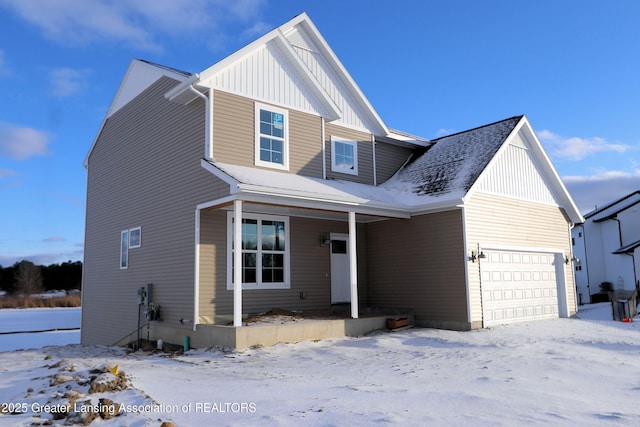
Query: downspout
{"points": [[324, 151], [208, 126], [196, 279], [375, 173]]}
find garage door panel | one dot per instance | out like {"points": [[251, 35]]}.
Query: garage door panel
{"points": [[518, 286]]}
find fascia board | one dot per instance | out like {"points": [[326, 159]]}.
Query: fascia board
{"points": [[446, 205], [304, 21], [307, 201], [570, 207], [233, 184]]}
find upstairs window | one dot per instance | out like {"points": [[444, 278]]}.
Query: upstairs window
{"points": [[272, 139], [344, 156]]}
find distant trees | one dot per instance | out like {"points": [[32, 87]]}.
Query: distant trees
{"points": [[25, 277]]}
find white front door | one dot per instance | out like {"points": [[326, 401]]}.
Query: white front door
{"points": [[340, 286]]}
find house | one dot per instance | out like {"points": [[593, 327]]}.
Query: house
{"points": [[272, 170], [608, 247]]}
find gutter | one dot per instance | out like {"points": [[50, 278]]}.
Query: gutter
{"points": [[208, 127]]}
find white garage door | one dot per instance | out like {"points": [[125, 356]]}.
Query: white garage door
{"points": [[518, 286]]}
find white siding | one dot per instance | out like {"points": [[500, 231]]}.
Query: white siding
{"points": [[515, 174]]}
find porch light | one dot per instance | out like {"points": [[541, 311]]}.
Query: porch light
{"points": [[474, 256], [325, 241], [574, 259]]}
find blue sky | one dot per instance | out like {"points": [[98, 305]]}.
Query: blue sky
{"points": [[428, 67]]}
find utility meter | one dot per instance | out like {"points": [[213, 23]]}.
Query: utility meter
{"points": [[142, 295]]}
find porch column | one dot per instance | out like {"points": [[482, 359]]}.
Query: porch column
{"points": [[237, 260], [353, 266]]}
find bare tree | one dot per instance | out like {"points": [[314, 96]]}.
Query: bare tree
{"points": [[28, 278]]}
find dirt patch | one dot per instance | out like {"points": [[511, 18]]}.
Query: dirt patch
{"points": [[281, 316]]}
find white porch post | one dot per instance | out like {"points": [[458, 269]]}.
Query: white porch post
{"points": [[237, 259], [353, 266]]}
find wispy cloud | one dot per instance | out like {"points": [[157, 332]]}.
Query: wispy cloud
{"points": [[602, 187], [5, 173], [67, 81], [577, 148], [54, 239], [4, 69], [19, 143], [444, 132], [138, 23]]}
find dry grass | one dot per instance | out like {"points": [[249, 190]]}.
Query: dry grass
{"points": [[36, 302]]}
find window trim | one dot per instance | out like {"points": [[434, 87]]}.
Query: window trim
{"points": [[124, 249], [287, 252], [334, 166], [131, 231], [285, 139]]}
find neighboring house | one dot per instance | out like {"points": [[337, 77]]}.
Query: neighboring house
{"points": [[272, 169], [608, 247]]}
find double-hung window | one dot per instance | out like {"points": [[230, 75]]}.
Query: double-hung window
{"points": [[272, 139], [265, 252], [344, 156], [129, 239]]}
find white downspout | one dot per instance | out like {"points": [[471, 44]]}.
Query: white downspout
{"points": [[353, 266], [324, 152], [237, 260], [375, 173], [196, 279], [208, 125]]}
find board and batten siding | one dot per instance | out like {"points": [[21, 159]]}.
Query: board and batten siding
{"points": [[310, 269], [419, 264], [144, 171], [496, 221], [365, 153], [234, 135]]}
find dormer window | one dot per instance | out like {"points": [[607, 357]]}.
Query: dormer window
{"points": [[272, 137], [344, 156]]}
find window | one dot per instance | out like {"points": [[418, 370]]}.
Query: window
{"points": [[265, 252], [124, 249], [129, 239], [344, 156], [135, 235], [272, 139]]}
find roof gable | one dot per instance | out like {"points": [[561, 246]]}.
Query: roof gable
{"points": [[294, 67], [452, 164]]}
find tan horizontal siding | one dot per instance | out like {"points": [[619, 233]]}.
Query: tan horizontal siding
{"points": [[418, 264], [389, 158], [500, 221], [365, 153], [144, 171], [234, 135]]}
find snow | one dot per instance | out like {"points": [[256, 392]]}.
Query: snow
{"points": [[582, 371], [38, 319]]}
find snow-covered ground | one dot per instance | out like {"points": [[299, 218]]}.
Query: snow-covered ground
{"points": [[38, 319], [557, 372]]}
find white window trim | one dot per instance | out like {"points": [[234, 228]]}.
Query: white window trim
{"points": [[285, 145], [139, 230], [124, 251], [337, 168], [287, 265]]}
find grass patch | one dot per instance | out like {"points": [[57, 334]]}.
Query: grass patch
{"points": [[37, 302]]}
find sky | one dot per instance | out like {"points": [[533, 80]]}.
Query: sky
{"points": [[429, 68]]}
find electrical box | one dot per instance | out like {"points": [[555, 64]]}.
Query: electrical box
{"points": [[145, 294]]}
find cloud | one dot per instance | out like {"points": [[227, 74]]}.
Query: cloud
{"points": [[54, 239], [5, 173], [138, 23], [67, 81], [444, 132], [576, 148], [4, 70], [601, 188], [19, 143]]}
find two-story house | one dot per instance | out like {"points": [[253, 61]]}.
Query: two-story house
{"points": [[269, 181], [607, 245]]}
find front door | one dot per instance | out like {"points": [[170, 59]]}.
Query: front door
{"points": [[340, 282]]}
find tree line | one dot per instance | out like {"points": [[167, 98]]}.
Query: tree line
{"points": [[26, 278]]}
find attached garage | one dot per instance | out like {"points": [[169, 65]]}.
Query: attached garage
{"points": [[519, 286]]}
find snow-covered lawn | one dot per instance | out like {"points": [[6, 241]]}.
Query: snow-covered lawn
{"points": [[556, 372], [38, 319]]}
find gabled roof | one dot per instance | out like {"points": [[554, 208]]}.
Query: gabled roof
{"points": [[614, 208], [139, 75], [452, 164], [441, 177], [313, 80]]}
